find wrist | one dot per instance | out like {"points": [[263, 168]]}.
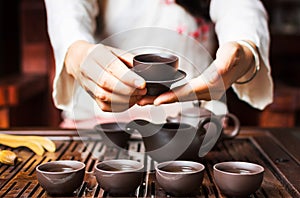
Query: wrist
{"points": [[254, 65]]}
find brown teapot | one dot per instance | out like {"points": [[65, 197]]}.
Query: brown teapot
{"points": [[172, 141]]}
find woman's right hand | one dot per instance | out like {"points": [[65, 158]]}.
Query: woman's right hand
{"points": [[104, 72]]}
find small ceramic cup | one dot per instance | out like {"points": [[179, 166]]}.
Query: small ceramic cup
{"points": [[113, 134], [160, 71], [119, 177], [238, 179], [61, 177], [180, 178], [156, 66]]}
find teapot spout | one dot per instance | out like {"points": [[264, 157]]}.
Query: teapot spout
{"points": [[144, 127]]}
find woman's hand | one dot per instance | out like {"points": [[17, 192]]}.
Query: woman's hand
{"points": [[104, 72], [233, 61]]}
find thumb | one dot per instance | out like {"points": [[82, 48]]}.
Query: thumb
{"points": [[124, 56]]}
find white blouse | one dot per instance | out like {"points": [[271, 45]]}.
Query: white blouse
{"points": [[154, 25]]}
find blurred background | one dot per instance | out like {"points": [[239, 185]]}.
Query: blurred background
{"points": [[27, 68]]}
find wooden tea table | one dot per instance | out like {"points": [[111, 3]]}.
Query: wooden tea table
{"points": [[277, 150]]}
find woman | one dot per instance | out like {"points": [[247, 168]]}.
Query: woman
{"points": [[94, 42]]}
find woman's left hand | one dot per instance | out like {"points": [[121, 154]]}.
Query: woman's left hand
{"points": [[233, 62]]}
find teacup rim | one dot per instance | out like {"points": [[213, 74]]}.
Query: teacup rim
{"points": [[260, 170], [60, 162], [174, 58], [157, 169], [140, 168]]}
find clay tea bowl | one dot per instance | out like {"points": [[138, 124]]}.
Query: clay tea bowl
{"points": [[119, 177], [238, 179], [160, 71], [113, 134], [61, 177], [180, 178], [155, 66]]}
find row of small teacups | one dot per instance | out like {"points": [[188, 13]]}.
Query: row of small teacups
{"points": [[177, 178]]}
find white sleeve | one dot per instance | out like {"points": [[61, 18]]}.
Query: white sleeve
{"points": [[68, 21], [246, 20]]}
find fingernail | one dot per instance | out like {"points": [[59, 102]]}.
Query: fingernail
{"points": [[139, 83]]}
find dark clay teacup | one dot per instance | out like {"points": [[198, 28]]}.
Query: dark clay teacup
{"points": [[61, 177], [113, 134], [180, 178], [119, 177], [238, 179], [156, 66], [160, 71]]}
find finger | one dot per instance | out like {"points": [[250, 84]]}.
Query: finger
{"points": [[172, 96], [109, 107], [109, 62], [146, 100], [175, 95], [112, 84], [93, 71], [196, 89], [103, 95], [185, 92], [120, 71], [125, 57], [106, 107]]}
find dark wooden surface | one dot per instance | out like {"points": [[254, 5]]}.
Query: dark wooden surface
{"points": [[274, 149]]}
